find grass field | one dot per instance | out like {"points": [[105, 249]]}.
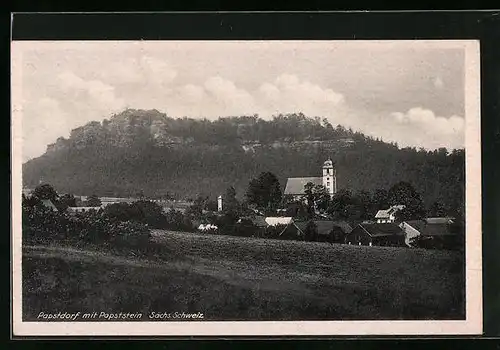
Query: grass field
{"points": [[233, 278]]}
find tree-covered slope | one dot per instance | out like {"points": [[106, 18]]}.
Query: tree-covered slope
{"points": [[147, 151]]}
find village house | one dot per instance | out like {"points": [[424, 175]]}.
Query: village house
{"points": [[375, 234], [286, 225], [47, 203], [388, 215], [295, 185], [439, 233], [257, 221], [329, 230]]}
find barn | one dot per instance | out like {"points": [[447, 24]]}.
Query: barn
{"points": [[377, 234], [329, 230]]}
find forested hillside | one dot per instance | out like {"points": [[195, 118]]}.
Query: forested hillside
{"points": [[148, 152]]}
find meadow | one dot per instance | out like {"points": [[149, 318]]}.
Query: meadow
{"points": [[237, 278]]}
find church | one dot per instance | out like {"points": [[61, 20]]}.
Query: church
{"points": [[295, 185]]}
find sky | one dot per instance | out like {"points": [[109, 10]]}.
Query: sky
{"points": [[411, 93]]}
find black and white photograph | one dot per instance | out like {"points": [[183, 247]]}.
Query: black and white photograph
{"points": [[246, 187]]}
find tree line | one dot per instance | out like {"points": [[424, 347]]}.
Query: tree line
{"points": [[123, 156]]}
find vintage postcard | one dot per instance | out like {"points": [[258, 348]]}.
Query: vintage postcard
{"points": [[246, 188]]}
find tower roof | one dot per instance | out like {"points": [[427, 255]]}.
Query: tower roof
{"points": [[328, 163]]}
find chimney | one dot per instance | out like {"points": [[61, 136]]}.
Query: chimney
{"points": [[219, 203]]}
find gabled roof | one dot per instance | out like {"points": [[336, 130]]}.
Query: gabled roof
{"points": [[382, 214], [259, 221], [295, 185], [274, 221], [379, 230], [324, 227], [385, 213], [398, 207], [430, 229], [48, 203], [440, 220], [344, 226]]}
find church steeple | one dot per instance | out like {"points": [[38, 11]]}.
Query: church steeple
{"points": [[329, 177]]}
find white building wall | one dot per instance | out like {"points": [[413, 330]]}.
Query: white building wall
{"points": [[219, 203], [410, 232]]}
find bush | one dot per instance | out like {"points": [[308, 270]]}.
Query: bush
{"points": [[246, 228], [148, 213], [43, 225], [175, 220], [121, 212], [227, 223], [129, 233]]}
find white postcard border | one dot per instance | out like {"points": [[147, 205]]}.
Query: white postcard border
{"points": [[472, 325]]}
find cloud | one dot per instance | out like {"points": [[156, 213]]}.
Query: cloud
{"points": [[95, 92], [289, 94], [192, 93], [157, 71], [155, 85], [143, 71], [215, 97], [75, 102], [218, 96], [419, 126], [425, 118], [229, 98]]}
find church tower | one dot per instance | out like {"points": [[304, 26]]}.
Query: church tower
{"points": [[329, 177]]}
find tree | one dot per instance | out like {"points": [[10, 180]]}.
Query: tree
{"points": [[403, 193], [308, 191], [175, 220], [380, 200], [264, 192], [149, 213], [44, 192], [317, 197], [94, 201], [227, 223], [246, 228], [230, 203], [210, 205], [364, 200], [321, 197], [339, 204], [119, 212], [311, 231], [195, 210], [437, 209], [29, 201]]}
